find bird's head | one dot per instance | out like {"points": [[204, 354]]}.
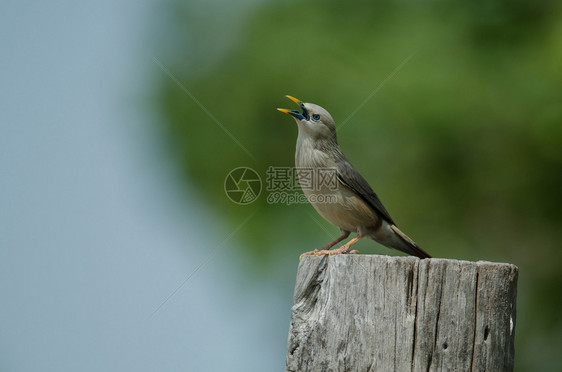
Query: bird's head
{"points": [[313, 121]]}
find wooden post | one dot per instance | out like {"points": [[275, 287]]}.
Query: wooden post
{"points": [[380, 313]]}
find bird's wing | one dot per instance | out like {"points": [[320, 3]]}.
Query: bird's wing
{"points": [[350, 177]]}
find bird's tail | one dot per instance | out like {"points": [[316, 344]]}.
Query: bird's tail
{"points": [[407, 245]]}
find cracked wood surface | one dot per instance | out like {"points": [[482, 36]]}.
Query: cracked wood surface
{"points": [[381, 313]]}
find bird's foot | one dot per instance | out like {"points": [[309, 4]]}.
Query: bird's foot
{"points": [[329, 252], [341, 250], [311, 253]]}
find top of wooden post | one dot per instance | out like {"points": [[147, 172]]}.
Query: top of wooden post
{"points": [[370, 312]]}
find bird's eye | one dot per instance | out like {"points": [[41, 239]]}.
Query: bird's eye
{"points": [[315, 116]]}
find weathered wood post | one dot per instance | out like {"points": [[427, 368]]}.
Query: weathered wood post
{"points": [[379, 313]]}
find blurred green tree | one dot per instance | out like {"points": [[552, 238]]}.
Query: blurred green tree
{"points": [[463, 142]]}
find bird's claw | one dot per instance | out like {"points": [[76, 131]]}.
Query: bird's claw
{"points": [[327, 252], [311, 253]]}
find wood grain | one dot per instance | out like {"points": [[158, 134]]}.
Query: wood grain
{"points": [[381, 313]]}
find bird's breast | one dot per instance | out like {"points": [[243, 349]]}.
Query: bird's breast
{"points": [[337, 203]]}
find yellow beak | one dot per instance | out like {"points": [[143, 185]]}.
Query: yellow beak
{"points": [[295, 100]]}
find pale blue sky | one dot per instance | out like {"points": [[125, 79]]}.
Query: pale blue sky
{"points": [[94, 230]]}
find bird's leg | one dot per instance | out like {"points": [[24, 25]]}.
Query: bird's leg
{"points": [[345, 248], [344, 235], [341, 250]]}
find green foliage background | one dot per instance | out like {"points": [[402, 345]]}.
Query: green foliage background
{"points": [[463, 144]]}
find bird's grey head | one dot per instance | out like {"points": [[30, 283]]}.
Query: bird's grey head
{"points": [[314, 121]]}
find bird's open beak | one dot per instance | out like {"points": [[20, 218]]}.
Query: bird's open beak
{"points": [[295, 113], [295, 100]]}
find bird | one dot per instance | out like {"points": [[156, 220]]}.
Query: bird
{"points": [[349, 202]]}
